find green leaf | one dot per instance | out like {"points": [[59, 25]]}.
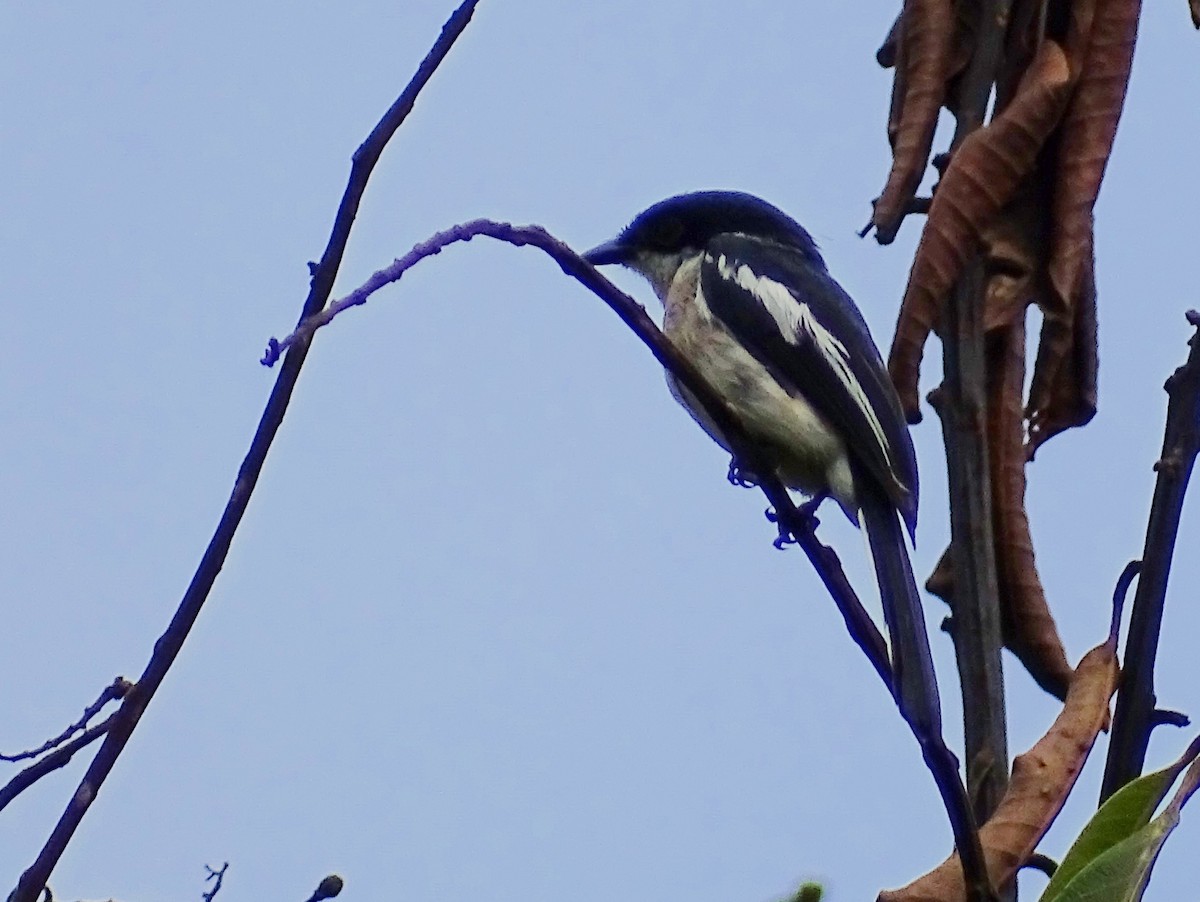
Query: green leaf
{"points": [[809, 892], [1126, 811], [1120, 872]]}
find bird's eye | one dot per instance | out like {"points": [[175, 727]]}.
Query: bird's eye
{"points": [[668, 234]]}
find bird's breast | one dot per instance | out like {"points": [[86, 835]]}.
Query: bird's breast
{"points": [[807, 449]]}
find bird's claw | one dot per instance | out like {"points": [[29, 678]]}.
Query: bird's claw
{"points": [[807, 512], [743, 479], [784, 537]]}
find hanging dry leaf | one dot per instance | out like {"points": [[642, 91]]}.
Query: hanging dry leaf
{"points": [[899, 85], [941, 580], [1073, 397], [966, 34], [983, 176], [1027, 30], [1079, 33], [1089, 128], [1029, 628], [1014, 259], [928, 37], [1012, 262], [888, 50], [1041, 781]]}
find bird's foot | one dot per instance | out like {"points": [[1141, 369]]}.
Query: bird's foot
{"points": [[808, 510], [740, 477], [785, 535], [807, 513]]}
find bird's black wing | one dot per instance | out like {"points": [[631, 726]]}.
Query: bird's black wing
{"points": [[786, 309]]}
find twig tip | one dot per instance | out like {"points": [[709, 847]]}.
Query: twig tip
{"points": [[1124, 581]]}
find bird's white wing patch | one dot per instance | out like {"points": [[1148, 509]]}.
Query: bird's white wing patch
{"points": [[796, 323]]}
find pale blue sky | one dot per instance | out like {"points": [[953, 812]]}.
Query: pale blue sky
{"points": [[495, 626]]}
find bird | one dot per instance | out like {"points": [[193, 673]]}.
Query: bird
{"points": [[748, 300]]}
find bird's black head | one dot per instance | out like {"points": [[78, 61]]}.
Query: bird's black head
{"points": [[687, 222]]}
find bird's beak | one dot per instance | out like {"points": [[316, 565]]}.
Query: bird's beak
{"points": [[608, 252]]}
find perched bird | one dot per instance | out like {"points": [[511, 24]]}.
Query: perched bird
{"points": [[749, 302]]}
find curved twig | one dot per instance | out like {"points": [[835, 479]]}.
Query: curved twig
{"points": [[942, 763], [1044, 863], [117, 689], [791, 519]]}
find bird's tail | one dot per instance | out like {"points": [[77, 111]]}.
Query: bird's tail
{"points": [[915, 683]]}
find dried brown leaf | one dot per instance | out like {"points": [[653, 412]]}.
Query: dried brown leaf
{"points": [[1010, 264], [1073, 397], [1041, 781], [983, 176], [899, 86], [966, 38], [888, 50], [1029, 628], [1079, 33], [941, 579], [1013, 264], [1027, 29], [1088, 130], [928, 39]]}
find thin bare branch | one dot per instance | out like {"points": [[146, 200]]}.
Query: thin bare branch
{"points": [[115, 690], [216, 877], [169, 644], [57, 759]]}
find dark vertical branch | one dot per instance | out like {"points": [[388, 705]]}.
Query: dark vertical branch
{"points": [[975, 86], [1135, 716], [976, 618], [976, 612], [167, 648]]}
